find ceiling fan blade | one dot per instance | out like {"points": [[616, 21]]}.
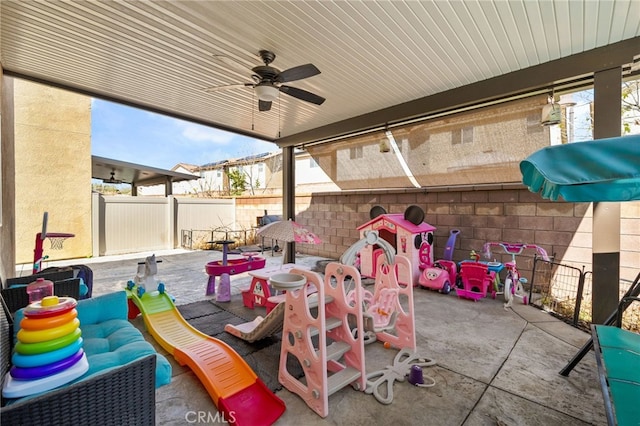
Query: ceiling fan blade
{"points": [[227, 87], [297, 73], [302, 94], [264, 105]]}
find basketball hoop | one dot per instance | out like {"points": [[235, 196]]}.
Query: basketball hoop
{"points": [[57, 239]]}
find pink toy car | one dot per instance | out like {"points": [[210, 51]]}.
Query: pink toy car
{"points": [[439, 276]]}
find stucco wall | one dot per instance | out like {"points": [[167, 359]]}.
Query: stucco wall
{"points": [[7, 188], [53, 168]]}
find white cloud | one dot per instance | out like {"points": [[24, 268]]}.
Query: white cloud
{"points": [[197, 133]]}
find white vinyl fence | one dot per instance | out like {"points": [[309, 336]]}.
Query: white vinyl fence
{"points": [[134, 224]]}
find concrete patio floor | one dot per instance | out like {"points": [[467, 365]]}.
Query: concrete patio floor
{"points": [[493, 366]]}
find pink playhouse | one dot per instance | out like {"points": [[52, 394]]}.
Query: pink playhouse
{"points": [[406, 232]]}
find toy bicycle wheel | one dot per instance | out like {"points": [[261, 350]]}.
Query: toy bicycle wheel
{"points": [[508, 288]]}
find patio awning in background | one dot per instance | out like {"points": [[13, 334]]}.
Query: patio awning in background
{"points": [[134, 174], [600, 170]]}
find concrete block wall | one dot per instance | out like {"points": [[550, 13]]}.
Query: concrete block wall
{"points": [[483, 213], [251, 207]]}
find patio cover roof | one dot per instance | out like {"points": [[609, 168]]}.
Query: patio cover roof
{"points": [[381, 62], [134, 174]]}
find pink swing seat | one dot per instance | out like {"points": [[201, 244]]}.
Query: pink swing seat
{"points": [[383, 311]]}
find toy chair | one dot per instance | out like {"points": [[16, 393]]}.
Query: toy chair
{"points": [[476, 280]]}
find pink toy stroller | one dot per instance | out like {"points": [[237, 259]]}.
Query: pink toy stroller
{"points": [[476, 280]]}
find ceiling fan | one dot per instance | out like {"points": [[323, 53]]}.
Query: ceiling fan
{"points": [[267, 82], [112, 179]]}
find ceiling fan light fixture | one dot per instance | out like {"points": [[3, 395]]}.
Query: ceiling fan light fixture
{"points": [[112, 179], [267, 92]]}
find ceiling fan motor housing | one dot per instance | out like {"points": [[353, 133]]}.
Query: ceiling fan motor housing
{"points": [[266, 73], [268, 82], [267, 56]]}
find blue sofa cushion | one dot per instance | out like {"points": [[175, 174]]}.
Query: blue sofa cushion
{"points": [[103, 308], [116, 342]]}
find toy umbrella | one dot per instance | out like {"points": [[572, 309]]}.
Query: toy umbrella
{"points": [[594, 171], [288, 231]]}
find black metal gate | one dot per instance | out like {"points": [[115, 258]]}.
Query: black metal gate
{"points": [[562, 290], [565, 291]]}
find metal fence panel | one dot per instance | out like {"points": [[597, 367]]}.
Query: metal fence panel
{"points": [[566, 292]]}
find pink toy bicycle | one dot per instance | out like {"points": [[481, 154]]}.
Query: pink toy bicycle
{"points": [[514, 282]]}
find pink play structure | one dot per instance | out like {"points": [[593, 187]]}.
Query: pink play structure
{"points": [[346, 314], [331, 366], [406, 233]]}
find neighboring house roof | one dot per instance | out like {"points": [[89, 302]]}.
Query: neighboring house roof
{"points": [[255, 157], [214, 165], [250, 159], [392, 221], [189, 167]]}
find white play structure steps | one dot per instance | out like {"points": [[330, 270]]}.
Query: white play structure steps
{"points": [[329, 367]]}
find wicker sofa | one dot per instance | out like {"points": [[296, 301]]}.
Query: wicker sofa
{"points": [[57, 275], [118, 389]]}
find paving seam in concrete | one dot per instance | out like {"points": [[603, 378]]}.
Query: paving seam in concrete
{"points": [[488, 385]]}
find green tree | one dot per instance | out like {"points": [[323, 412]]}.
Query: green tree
{"points": [[237, 181], [630, 105]]}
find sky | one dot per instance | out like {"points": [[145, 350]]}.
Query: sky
{"points": [[128, 134]]}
